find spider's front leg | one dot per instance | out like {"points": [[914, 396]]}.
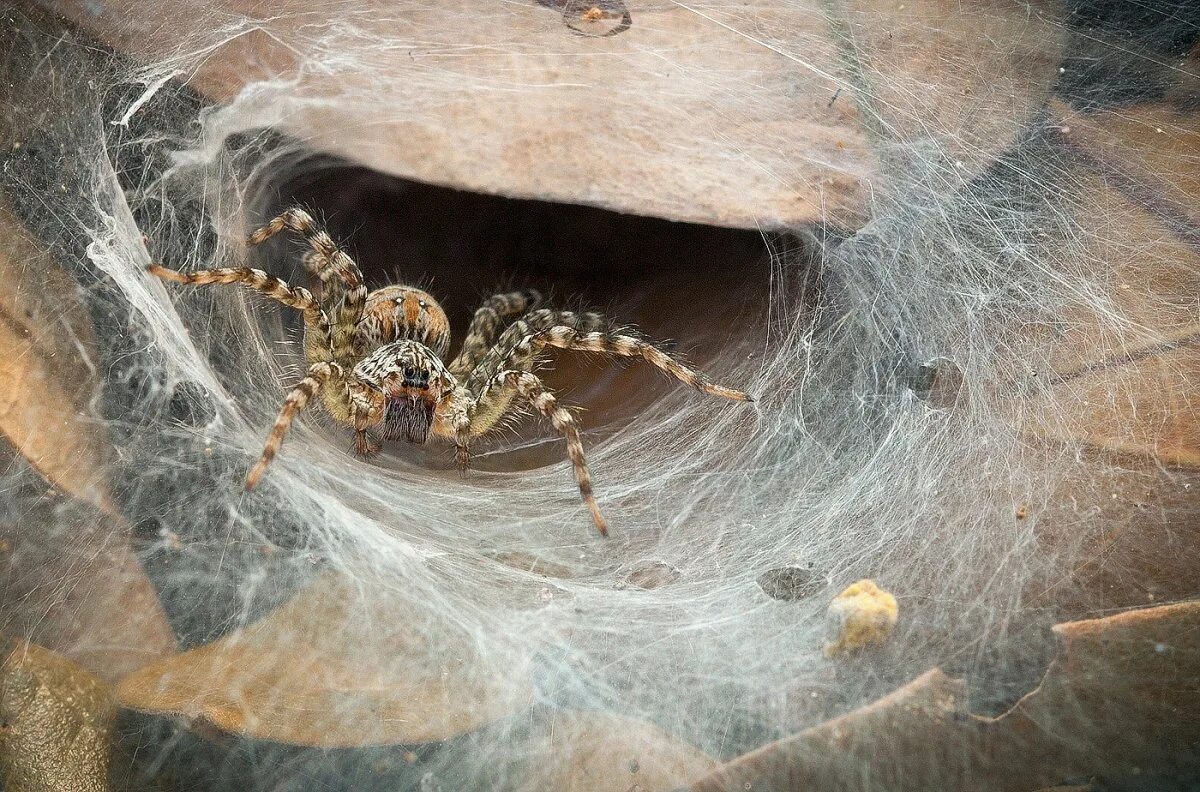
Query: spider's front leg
{"points": [[319, 374], [279, 290], [482, 414], [366, 409]]}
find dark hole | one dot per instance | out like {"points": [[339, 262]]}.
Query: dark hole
{"points": [[704, 287]]}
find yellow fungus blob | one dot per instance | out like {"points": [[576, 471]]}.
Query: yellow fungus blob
{"points": [[860, 616]]}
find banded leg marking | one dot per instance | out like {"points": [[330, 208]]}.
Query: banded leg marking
{"points": [[296, 400]]}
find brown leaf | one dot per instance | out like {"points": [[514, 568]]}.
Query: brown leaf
{"points": [[70, 579], [601, 752], [1146, 152], [1121, 697], [55, 724], [47, 370], [71, 583], [330, 668], [754, 123], [1131, 387]]}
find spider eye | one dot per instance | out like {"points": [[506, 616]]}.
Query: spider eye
{"points": [[422, 303]]}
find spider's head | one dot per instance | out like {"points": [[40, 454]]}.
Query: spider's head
{"points": [[414, 380]]}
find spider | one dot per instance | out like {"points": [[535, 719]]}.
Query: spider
{"points": [[378, 359]]}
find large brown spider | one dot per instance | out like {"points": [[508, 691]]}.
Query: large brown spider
{"points": [[376, 359]]}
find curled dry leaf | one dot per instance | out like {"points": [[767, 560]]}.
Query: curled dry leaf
{"points": [[55, 724], [47, 373], [336, 667], [601, 752], [754, 124], [71, 582], [1121, 698], [70, 579], [1134, 389]]}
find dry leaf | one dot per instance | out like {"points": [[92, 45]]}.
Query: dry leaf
{"points": [[1132, 389], [71, 583], [70, 579], [601, 752], [749, 122], [1121, 698], [1147, 152], [55, 724], [331, 669], [47, 371]]}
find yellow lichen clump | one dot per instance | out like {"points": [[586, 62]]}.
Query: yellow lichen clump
{"points": [[860, 616]]}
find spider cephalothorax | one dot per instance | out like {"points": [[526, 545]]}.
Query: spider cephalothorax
{"points": [[378, 359]]}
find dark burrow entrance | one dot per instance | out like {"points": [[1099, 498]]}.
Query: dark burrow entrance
{"points": [[704, 288]]}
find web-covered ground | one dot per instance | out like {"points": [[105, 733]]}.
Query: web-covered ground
{"points": [[950, 247]]}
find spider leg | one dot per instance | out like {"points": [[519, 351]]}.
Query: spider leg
{"points": [[328, 287], [365, 445], [296, 400], [292, 296], [624, 345], [519, 346], [317, 265], [509, 383], [512, 351], [486, 325], [353, 295], [364, 411]]}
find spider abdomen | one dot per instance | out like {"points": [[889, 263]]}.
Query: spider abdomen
{"points": [[399, 313]]}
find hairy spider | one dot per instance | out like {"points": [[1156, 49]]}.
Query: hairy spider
{"points": [[376, 358]]}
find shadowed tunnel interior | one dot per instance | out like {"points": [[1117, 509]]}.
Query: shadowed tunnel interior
{"points": [[702, 289]]}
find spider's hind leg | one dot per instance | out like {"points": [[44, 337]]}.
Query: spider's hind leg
{"points": [[514, 350], [486, 324]]}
